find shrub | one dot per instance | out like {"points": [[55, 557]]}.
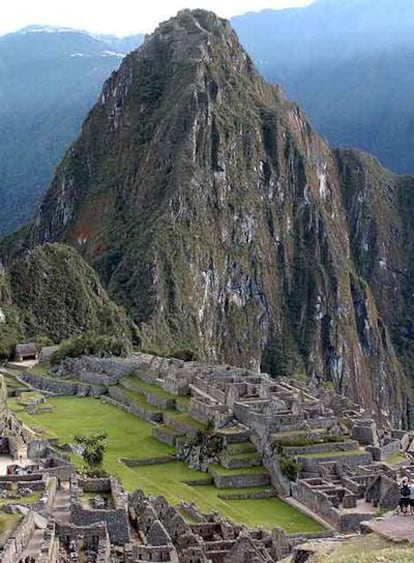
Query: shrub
{"points": [[289, 467], [92, 344], [93, 451]]}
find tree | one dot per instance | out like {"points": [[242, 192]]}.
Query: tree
{"points": [[94, 447]]}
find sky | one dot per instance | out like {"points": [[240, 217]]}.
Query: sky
{"points": [[119, 17]]}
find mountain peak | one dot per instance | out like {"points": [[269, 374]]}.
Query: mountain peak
{"points": [[190, 34], [214, 214]]}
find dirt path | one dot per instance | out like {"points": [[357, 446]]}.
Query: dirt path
{"points": [[396, 527]]}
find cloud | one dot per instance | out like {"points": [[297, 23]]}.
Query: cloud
{"points": [[122, 17]]}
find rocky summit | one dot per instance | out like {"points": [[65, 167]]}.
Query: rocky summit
{"points": [[224, 225]]}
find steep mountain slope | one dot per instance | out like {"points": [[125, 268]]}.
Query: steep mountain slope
{"points": [[215, 215], [380, 209], [49, 78], [350, 65], [51, 291]]}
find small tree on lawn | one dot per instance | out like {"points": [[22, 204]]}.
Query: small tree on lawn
{"points": [[93, 453]]}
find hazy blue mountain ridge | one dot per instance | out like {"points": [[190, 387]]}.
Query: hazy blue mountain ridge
{"points": [[349, 64], [49, 79]]}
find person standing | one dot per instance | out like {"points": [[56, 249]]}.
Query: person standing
{"points": [[411, 485], [405, 493]]}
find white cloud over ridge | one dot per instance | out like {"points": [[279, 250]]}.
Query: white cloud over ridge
{"points": [[122, 17]]}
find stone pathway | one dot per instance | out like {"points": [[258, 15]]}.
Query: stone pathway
{"points": [[396, 527], [34, 545], [61, 506]]}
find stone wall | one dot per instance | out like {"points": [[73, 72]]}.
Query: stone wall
{"points": [[210, 390], [57, 386], [59, 468], [268, 493], [89, 534], [404, 438], [321, 504], [380, 453], [148, 461], [18, 540], [22, 478], [102, 485], [48, 547], [151, 397], [252, 460], [154, 553], [205, 410], [141, 412], [311, 463], [3, 396], [383, 492], [365, 432], [180, 426], [321, 448], [234, 481], [164, 435], [116, 519]]}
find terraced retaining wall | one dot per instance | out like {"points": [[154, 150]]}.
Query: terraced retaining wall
{"points": [[322, 448], [61, 387], [148, 461], [269, 493], [153, 398], [311, 463], [381, 453], [180, 426], [252, 460], [165, 436], [222, 481], [139, 411]]}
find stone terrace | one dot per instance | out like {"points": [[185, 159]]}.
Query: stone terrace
{"points": [[340, 452]]}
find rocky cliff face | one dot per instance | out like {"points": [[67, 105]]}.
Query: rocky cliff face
{"points": [[216, 216], [380, 209]]}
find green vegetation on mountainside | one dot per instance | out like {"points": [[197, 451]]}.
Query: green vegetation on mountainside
{"points": [[228, 237], [55, 293]]}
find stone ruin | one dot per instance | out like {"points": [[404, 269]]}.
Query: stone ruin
{"points": [[343, 477]]}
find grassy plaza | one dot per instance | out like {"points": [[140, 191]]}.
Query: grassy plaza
{"points": [[130, 437]]}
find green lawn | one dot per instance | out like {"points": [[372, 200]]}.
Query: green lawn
{"points": [[141, 386], [13, 385], [139, 400], [129, 436], [188, 420], [333, 454], [30, 499], [395, 458], [220, 470], [240, 448]]}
